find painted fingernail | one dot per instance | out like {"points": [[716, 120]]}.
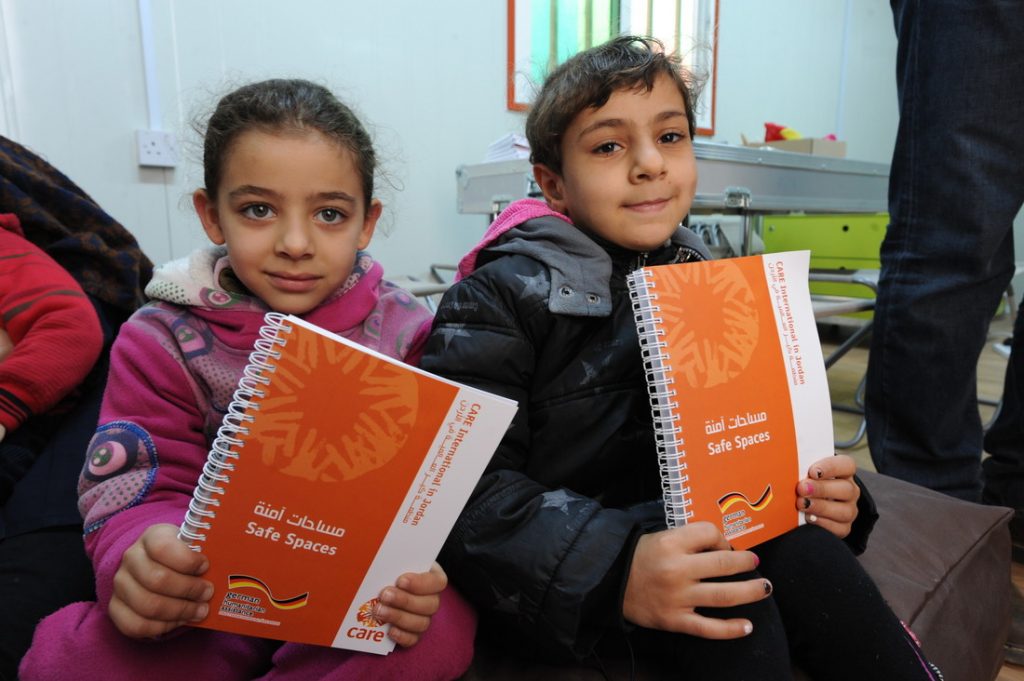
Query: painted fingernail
{"points": [[807, 503], [757, 561], [748, 628], [812, 518], [818, 473], [767, 587], [810, 488]]}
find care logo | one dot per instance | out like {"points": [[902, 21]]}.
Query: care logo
{"points": [[367, 616]]}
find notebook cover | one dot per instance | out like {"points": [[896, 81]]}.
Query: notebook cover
{"points": [[751, 402], [353, 471]]}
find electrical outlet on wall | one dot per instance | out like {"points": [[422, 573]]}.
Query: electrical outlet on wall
{"points": [[156, 149]]}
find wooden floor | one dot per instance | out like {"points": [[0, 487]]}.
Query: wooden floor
{"points": [[845, 376], [1011, 672]]}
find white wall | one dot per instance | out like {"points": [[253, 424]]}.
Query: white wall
{"points": [[784, 62], [427, 76]]}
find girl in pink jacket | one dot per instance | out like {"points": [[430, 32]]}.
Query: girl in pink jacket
{"points": [[288, 204]]}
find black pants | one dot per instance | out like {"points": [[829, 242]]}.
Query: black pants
{"points": [[825, 615], [40, 572]]}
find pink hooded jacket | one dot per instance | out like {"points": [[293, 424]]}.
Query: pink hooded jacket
{"points": [[173, 370]]}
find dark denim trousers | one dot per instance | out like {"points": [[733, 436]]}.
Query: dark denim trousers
{"points": [[956, 184]]}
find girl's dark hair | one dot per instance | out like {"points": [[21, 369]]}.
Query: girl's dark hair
{"points": [[588, 79], [280, 105]]}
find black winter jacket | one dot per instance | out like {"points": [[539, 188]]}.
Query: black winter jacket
{"points": [[544, 545]]}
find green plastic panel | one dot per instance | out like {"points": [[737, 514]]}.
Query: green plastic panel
{"points": [[836, 242]]}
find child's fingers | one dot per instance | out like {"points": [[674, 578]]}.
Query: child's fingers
{"points": [[722, 563], [411, 620], [840, 489], [695, 624], [161, 545], [680, 616], [838, 511], [155, 589], [839, 529], [424, 583], [142, 573], [170, 584], [162, 581], [174, 603], [838, 466], [409, 606], [138, 613], [398, 599], [697, 537], [729, 594], [403, 638], [403, 619], [133, 625]]}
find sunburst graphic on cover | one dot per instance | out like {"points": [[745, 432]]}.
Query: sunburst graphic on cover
{"points": [[723, 300], [726, 501], [367, 614], [362, 414]]}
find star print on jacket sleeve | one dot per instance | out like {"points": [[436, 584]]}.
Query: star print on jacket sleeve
{"points": [[506, 603], [559, 499], [452, 331], [536, 285]]}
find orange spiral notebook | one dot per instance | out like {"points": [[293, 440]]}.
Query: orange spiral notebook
{"points": [[335, 471], [737, 387]]}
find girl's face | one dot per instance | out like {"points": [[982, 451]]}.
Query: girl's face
{"points": [[290, 210]]}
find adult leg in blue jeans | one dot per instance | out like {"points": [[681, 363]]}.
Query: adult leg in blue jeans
{"points": [[956, 184], [1004, 470], [1004, 474]]}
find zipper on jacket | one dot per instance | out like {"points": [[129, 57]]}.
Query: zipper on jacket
{"points": [[687, 254], [683, 254], [641, 261]]}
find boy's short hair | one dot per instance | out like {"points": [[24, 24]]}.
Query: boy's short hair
{"points": [[588, 79]]}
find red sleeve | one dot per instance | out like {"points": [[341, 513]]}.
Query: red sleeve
{"points": [[53, 325]]}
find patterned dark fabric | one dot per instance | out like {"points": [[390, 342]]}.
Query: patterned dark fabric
{"points": [[64, 221]]}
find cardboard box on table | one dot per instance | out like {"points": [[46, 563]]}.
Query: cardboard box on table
{"points": [[815, 146]]}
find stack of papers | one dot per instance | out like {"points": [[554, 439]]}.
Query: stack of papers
{"points": [[511, 146]]}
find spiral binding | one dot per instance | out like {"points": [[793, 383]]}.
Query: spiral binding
{"points": [[224, 450], [664, 407]]}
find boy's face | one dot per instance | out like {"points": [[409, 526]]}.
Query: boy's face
{"points": [[290, 209], [628, 170]]}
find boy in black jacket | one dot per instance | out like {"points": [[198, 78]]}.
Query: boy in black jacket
{"points": [[563, 545]]}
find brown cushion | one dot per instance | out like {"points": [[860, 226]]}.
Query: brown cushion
{"points": [[943, 565]]}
